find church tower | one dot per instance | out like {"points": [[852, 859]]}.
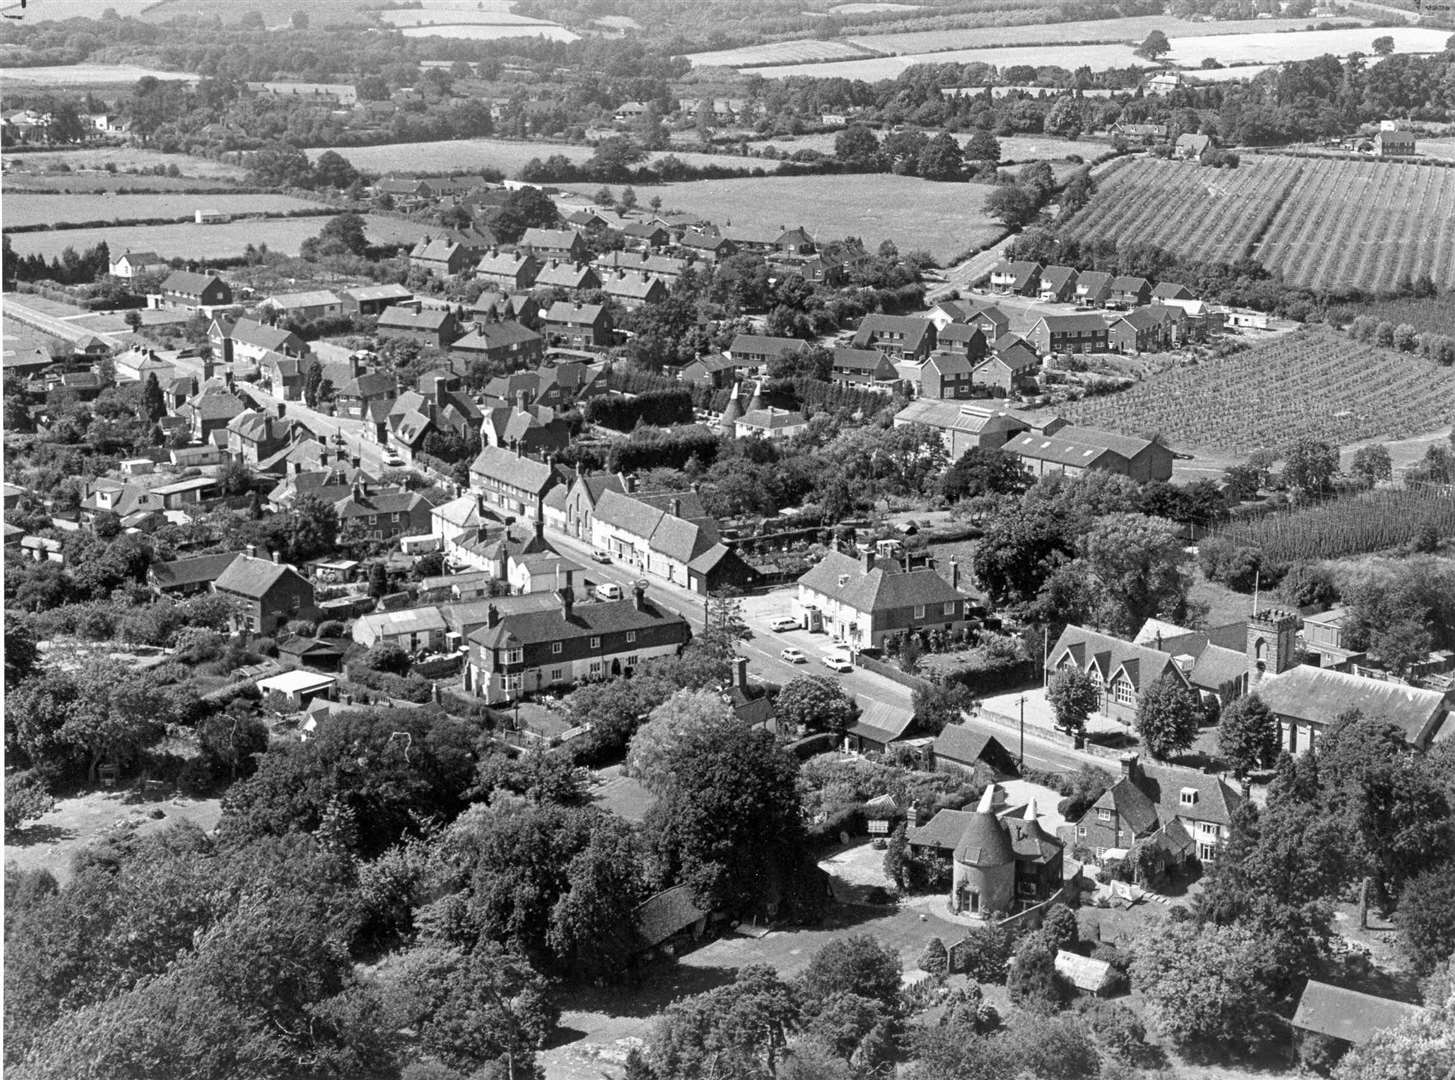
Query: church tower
{"points": [[1272, 644]]}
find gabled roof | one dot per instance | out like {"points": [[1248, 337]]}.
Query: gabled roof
{"points": [[514, 469], [497, 335], [1088, 648], [377, 292], [1093, 281], [400, 317], [369, 384], [1348, 1014], [870, 361], [1057, 450], [965, 332], [667, 913], [1062, 324], [191, 571], [766, 343], [252, 577], [1058, 277], [1129, 283], [1172, 290], [586, 620], [1128, 446], [551, 239], [252, 332], [507, 263], [948, 363], [567, 275], [573, 314], [189, 282], [1321, 694], [771, 419], [1084, 973], [913, 327], [956, 742]]}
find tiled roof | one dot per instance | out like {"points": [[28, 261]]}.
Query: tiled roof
{"points": [[252, 577], [1093, 281], [1321, 694], [1057, 450], [189, 282], [1129, 283], [1067, 323], [957, 332], [667, 913], [586, 620], [883, 588], [868, 360], [1144, 664], [514, 469], [191, 571], [495, 336], [1057, 276], [764, 343], [550, 239], [1128, 446], [399, 317], [252, 332], [573, 314], [956, 742], [1348, 1014], [567, 275], [914, 329]]}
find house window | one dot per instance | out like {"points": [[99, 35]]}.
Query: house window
{"points": [[514, 656], [1081, 831], [595, 643], [919, 612], [595, 668], [1103, 814], [631, 635], [557, 674], [555, 648], [1122, 689], [949, 608], [511, 682], [1206, 852], [1026, 888]]}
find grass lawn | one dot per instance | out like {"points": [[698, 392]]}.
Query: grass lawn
{"points": [[943, 219]]}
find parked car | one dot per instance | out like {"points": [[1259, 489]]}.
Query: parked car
{"points": [[837, 661], [608, 590], [393, 460], [794, 656], [601, 556], [783, 622]]}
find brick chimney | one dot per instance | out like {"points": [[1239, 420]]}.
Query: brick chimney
{"points": [[676, 507], [568, 600], [492, 615], [954, 573], [740, 672], [639, 594], [868, 560], [1131, 767], [520, 396]]}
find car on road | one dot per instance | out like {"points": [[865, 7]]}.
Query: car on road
{"points": [[601, 556], [608, 590], [794, 656], [393, 460], [837, 661], [783, 622]]}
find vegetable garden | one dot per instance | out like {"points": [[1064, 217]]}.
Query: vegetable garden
{"points": [[1373, 521], [1315, 383], [1320, 222]]}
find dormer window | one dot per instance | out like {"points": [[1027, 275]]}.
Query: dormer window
{"points": [[1188, 796]]}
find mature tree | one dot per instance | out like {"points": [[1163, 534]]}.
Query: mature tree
{"points": [[1134, 565], [816, 703], [153, 404], [22, 655], [1425, 918], [939, 704], [856, 964], [727, 820], [25, 799], [1155, 44], [1021, 547], [1417, 1048], [942, 158], [1310, 466], [1372, 464], [1050, 1048], [982, 146], [309, 529], [1248, 735], [1168, 714], [1033, 982], [1013, 205], [1383, 46], [280, 164], [1074, 696], [983, 471], [737, 1030], [333, 170], [343, 234], [724, 624], [593, 925], [685, 712], [1205, 986], [857, 147]]}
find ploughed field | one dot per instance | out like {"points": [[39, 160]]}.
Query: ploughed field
{"points": [[1321, 222], [1314, 383]]}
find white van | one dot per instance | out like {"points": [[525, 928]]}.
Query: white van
{"points": [[608, 590]]}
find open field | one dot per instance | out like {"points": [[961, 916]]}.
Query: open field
{"points": [[457, 15], [1267, 48], [944, 219], [1316, 383], [506, 155], [1435, 314], [86, 75], [276, 13], [777, 52], [873, 69], [1012, 147], [1132, 29], [870, 9], [17, 337], [58, 209], [124, 158], [57, 10], [20, 182], [1322, 222], [479, 32], [220, 241]]}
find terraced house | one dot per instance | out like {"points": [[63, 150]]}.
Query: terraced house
{"points": [[669, 535], [516, 655], [512, 485]]}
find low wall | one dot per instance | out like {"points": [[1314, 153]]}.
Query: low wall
{"points": [[890, 672]]}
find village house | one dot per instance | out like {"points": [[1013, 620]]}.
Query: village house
{"points": [[441, 256], [384, 514], [282, 376], [509, 270], [751, 353], [968, 340], [190, 576], [1068, 334], [518, 307], [1146, 329], [1093, 288], [253, 437], [560, 386], [1016, 278], [582, 498], [576, 325], [862, 601], [193, 291], [1129, 291], [767, 422], [715, 371], [631, 291], [249, 340], [947, 376], [531, 429], [1010, 369], [903, 338], [709, 247], [1394, 143], [373, 299], [1190, 147], [416, 630], [132, 263], [493, 345], [662, 266], [645, 236], [1326, 639], [264, 594], [571, 277], [513, 485], [435, 327], [863, 367], [537, 572], [1181, 813], [1139, 134], [667, 535], [1058, 285], [963, 427], [516, 655], [354, 398], [565, 245]]}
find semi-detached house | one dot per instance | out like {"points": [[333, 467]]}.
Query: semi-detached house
{"points": [[862, 601], [515, 655]]}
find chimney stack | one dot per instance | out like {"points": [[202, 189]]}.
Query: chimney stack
{"points": [[868, 560], [251, 550], [639, 594], [568, 600], [1130, 768], [492, 615], [676, 507], [282, 410], [276, 558], [954, 573], [520, 396], [740, 672]]}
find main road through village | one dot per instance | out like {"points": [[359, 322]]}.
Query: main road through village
{"points": [[762, 649]]}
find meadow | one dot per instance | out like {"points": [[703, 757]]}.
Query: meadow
{"points": [[57, 10], [1322, 222], [275, 13], [943, 219], [872, 69], [18, 181], [23, 209], [484, 32], [1267, 48], [777, 52], [460, 155], [87, 75], [1261, 397], [218, 241], [125, 159]]}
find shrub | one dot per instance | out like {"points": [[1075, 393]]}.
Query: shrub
{"points": [[935, 959], [983, 954], [388, 658], [25, 799], [1119, 1030], [1033, 982], [330, 628]]}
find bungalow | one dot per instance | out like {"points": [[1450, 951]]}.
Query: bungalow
{"points": [[493, 345], [303, 306], [959, 749], [863, 601], [264, 594], [576, 325], [1017, 278], [515, 655], [1190, 147], [512, 485], [903, 337], [863, 367], [770, 423], [668, 535], [435, 327], [566, 245], [571, 277], [186, 289], [132, 263], [415, 630], [646, 236], [709, 247], [711, 371], [1068, 334], [373, 299], [1058, 285], [751, 353], [1093, 288], [1139, 134], [510, 270], [1129, 291]]}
